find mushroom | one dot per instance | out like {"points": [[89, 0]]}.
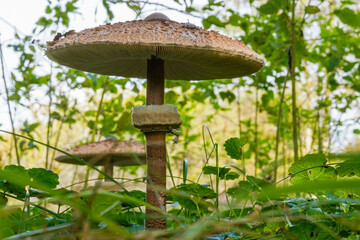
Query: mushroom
{"points": [[155, 48], [107, 153]]}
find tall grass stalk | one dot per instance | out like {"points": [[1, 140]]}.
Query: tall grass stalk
{"points": [[8, 105], [49, 123]]}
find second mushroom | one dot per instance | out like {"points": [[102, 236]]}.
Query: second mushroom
{"points": [[155, 48]]}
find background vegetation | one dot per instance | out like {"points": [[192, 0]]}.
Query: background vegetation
{"points": [[298, 115]]}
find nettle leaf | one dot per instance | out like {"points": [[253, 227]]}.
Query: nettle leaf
{"points": [[241, 191], [197, 190], [309, 230], [349, 168], [233, 147], [41, 177], [224, 173], [312, 9], [197, 197], [245, 188], [14, 179], [309, 161], [257, 183]]}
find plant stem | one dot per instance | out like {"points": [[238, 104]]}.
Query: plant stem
{"points": [[49, 124], [8, 105], [293, 80], [278, 129], [95, 126], [239, 110], [217, 176], [256, 126]]}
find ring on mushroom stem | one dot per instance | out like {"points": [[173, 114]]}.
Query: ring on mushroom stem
{"points": [[155, 48]]}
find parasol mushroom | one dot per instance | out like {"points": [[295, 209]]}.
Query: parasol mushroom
{"points": [[155, 48], [107, 153]]}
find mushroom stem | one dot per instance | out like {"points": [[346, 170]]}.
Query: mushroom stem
{"points": [[109, 168], [155, 148]]}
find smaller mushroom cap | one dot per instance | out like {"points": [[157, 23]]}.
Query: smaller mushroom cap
{"points": [[120, 152]]}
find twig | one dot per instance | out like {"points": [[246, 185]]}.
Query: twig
{"points": [[158, 5]]}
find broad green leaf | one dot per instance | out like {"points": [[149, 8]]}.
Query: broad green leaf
{"points": [[312, 9], [43, 178], [314, 169], [271, 6], [349, 17], [212, 20], [349, 167], [233, 147], [223, 172], [241, 191], [198, 190], [196, 199], [309, 230]]}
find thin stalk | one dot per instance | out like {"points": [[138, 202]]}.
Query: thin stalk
{"points": [[49, 122], [8, 105], [169, 168], [278, 129], [57, 139], [217, 176], [256, 126], [293, 80], [95, 125], [239, 109], [239, 125]]}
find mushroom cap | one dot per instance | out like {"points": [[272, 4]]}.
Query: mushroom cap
{"points": [[97, 153], [122, 49]]}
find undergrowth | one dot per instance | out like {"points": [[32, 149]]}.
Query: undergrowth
{"points": [[318, 200]]}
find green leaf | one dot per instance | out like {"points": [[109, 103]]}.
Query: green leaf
{"points": [[48, 10], [233, 147], [231, 176], [214, 170], [197, 190], [309, 230], [312, 9], [310, 163], [212, 20], [241, 191], [43, 178], [356, 131], [197, 197], [271, 7], [348, 17], [349, 167]]}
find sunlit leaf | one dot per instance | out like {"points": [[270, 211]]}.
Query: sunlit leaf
{"points": [[233, 147], [314, 169]]}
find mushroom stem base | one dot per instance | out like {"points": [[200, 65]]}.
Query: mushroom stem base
{"points": [[156, 179]]}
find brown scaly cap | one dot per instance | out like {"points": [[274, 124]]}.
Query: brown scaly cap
{"points": [[122, 49], [122, 153]]}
